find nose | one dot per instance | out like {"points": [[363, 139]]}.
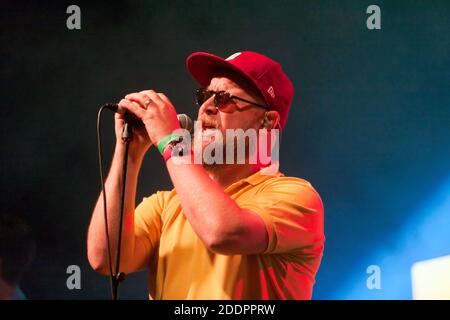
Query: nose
{"points": [[208, 107]]}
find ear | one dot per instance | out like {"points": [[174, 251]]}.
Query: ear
{"points": [[271, 120]]}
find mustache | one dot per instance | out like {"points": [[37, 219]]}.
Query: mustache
{"points": [[210, 122]]}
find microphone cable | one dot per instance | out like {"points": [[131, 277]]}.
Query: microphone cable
{"points": [[102, 180]]}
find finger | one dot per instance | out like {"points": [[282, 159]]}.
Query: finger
{"points": [[140, 98], [167, 101], [154, 96], [164, 98], [132, 107]]}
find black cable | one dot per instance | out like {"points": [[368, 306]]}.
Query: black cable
{"points": [[120, 276], [100, 160]]}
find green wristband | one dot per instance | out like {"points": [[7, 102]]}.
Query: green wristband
{"points": [[166, 140]]}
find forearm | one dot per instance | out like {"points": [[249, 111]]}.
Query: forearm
{"points": [[214, 216], [97, 242]]}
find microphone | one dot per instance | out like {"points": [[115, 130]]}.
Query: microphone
{"points": [[184, 120]]}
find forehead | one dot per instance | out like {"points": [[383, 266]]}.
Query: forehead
{"points": [[221, 82], [230, 81]]}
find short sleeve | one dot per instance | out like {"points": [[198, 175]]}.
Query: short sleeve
{"points": [[293, 214], [147, 220]]}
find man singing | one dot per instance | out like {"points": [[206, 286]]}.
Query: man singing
{"points": [[230, 229]]}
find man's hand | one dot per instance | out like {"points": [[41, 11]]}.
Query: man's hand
{"points": [[156, 112]]}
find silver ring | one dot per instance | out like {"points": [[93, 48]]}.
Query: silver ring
{"points": [[147, 102]]}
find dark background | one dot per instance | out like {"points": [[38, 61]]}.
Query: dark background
{"points": [[369, 125]]}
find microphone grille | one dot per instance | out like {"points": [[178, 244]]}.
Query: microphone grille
{"points": [[185, 122]]}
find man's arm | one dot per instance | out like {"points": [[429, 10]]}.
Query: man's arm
{"points": [[216, 218], [134, 253], [222, 225]]}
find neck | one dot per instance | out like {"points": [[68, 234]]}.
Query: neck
{"points": [[227, 174]]}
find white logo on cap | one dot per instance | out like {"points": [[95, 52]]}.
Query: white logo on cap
{"points": [[234, 55], [271, 92]]}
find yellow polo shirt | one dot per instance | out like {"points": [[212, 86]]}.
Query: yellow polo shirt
{"points": [[183, 268]]}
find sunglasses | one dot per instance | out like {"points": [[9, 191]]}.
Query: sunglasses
{"points": [[221, 98]]}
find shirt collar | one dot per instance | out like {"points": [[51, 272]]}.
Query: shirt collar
{"points": [[264, 174], [258, 177]]}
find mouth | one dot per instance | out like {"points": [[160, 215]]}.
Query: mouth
{"points": [[204, 128], [209, 131], [208, 126]]}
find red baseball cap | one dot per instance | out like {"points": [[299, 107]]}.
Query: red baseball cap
{"points": [[264, 73]]}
